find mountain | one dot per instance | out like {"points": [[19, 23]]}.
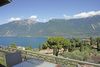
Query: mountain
{"points": [[80, 27]]}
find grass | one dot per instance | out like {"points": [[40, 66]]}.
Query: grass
{"points": [[1, 60]]}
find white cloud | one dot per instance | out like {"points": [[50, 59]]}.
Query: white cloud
{"points": [[33, 18], [83, 15], [13, 19], [67, 17]]}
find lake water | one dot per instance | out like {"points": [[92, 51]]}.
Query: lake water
{"points": [[22, 41]]}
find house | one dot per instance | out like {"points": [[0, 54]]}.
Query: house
{"points": [[86, 40], [20, 48]]}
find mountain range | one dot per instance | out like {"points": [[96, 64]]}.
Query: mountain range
{"points": [[80, 27]]}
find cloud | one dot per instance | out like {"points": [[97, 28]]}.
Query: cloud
{"points": [[83, 15], [87, 14], [13, 19], [33, 18], [67, 17]]}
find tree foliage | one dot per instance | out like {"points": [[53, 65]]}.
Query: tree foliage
{"points": [[13, 45], [98, 43], [74, 48], [28, 48], [57, 43]]}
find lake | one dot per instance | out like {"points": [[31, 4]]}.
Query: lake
{"points": [[23, 41]]}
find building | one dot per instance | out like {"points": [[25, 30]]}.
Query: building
{"points": [[86, 40], [20, 48]]}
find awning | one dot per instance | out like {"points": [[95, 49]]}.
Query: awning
{"points": [[4, 2]]}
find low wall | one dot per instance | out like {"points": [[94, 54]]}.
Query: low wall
{"points": [[53, 59]]}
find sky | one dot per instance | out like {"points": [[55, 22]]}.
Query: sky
{"points": [[44, 10]]}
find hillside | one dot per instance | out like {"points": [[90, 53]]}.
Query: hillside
{"points": [[81, 27]]}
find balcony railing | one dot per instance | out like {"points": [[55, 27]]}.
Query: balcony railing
{"points": [[53, 59]]}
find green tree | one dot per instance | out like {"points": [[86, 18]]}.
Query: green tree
{"points": [[75, 42], [66, 44], [98, 43], [91, 41], [56, 43], [13, 45], [28, 48], [45, 45], [76, 54]]}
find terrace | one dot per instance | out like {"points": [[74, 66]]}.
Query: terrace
{"points": [[34, 59]]}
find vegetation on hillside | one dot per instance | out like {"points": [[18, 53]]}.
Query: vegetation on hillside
{"points": [[82, 27], [56, 43], [28, 48], [13, 45], [75, 48]]}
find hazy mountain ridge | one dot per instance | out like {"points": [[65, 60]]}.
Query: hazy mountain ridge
{"points": [[81, 27]]}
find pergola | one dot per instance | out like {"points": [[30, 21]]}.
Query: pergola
{"points": [[4, 2]]}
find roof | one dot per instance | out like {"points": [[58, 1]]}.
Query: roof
{"points": [[4, 2]]}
